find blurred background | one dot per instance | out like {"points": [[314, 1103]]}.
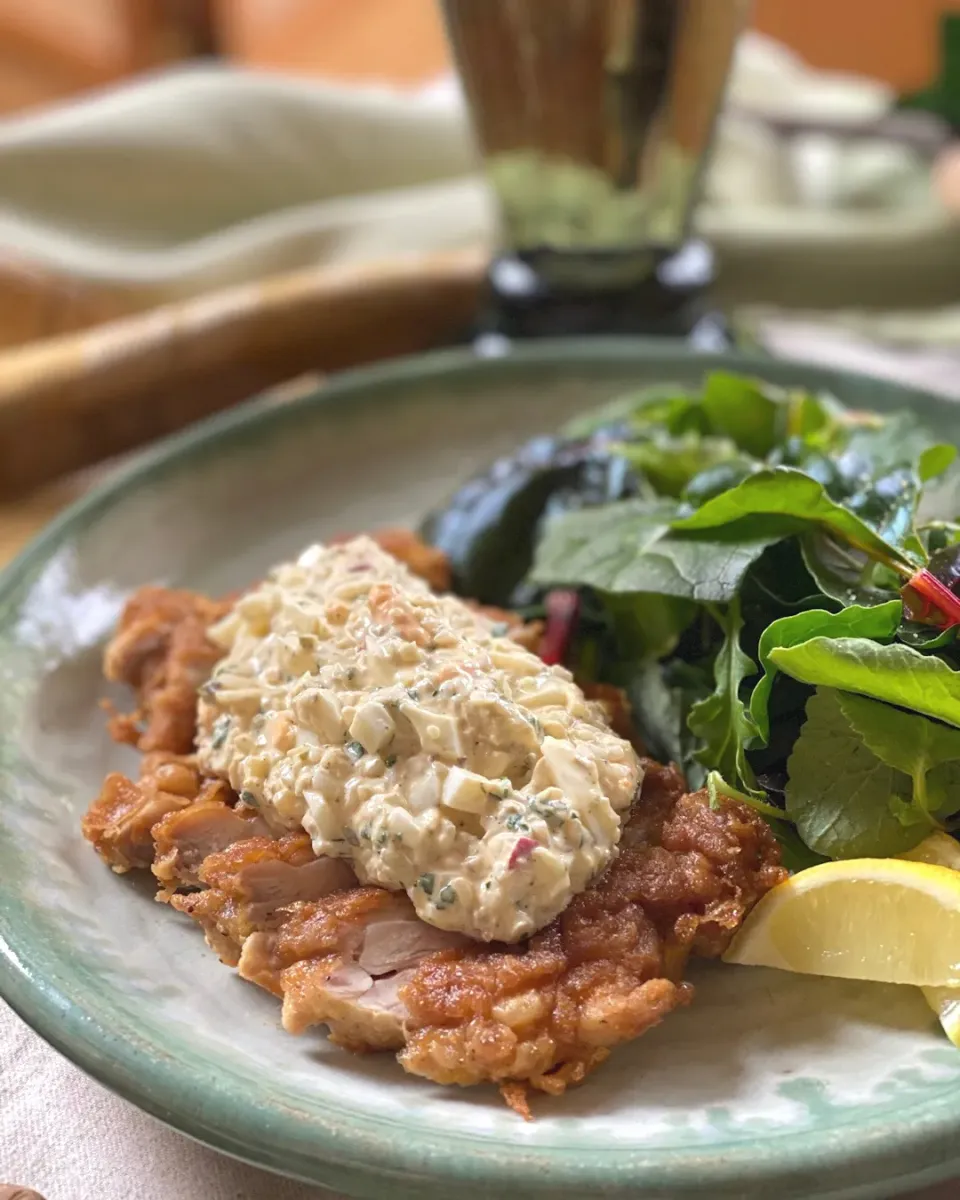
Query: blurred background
{"points": [[53, 49], [202, 198]]}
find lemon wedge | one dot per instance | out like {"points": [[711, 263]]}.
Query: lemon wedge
{"points": [[941, 850], [883, 919]]}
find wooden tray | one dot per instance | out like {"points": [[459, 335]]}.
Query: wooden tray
{"points": [[74, 400]]}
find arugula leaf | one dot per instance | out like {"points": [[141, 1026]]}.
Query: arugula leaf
{"points": [[628, 547], [913, 744], [880, 622], [795, 502], [752, 413], [722, 721], [895, 673], [847, 802]]}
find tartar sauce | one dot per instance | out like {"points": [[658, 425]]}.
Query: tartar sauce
{"points": [[406, 732]]}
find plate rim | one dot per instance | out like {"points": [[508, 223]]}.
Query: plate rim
{"points": [[342, 1155]]}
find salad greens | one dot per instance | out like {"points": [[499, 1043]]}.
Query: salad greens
{"points": [[756, 568]]}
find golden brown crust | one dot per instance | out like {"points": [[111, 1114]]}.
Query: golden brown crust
{"points": [[161, 651], [119, 822]]}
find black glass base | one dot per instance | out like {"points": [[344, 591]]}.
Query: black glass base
{"points": [[528, 297]]}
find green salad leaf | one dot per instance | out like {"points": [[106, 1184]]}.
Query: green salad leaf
{"points": [[895, 674], [844, 573], [668, 406], [670, 463], [661, 697], [751, 413], [796, 502], [923, 749], [721, 721], [628, 546], [646, 626], [739, 551], [845, 801], [880, 622]]}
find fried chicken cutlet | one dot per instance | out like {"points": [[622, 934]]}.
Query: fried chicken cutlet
{"points": [[540, 1014]]}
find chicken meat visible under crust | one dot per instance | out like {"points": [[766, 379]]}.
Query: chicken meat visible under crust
{"points": [[540, 1015]]}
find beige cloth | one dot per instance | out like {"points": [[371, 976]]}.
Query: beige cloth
{"points": [[70, 1139]]}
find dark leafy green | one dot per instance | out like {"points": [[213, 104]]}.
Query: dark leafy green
{"points": [[844, 573], [661, 697], [489, 527], [646, 626], [629, 547]]}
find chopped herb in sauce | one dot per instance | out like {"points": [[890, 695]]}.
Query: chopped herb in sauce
{"points": [[446, 896], [221, 727], [249, 799], [390, 760], [425, 883], [355, 750], [515, 821]]}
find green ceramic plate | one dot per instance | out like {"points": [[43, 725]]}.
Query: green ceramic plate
{"points": [[769, 1085]]}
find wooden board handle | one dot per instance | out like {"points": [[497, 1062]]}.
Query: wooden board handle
{"points": [[73, 400]]}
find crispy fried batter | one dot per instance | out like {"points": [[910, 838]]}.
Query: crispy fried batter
{"points": [[120, 820], [185, 838], [541, 1015], [161, 651], [247, 883]]}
